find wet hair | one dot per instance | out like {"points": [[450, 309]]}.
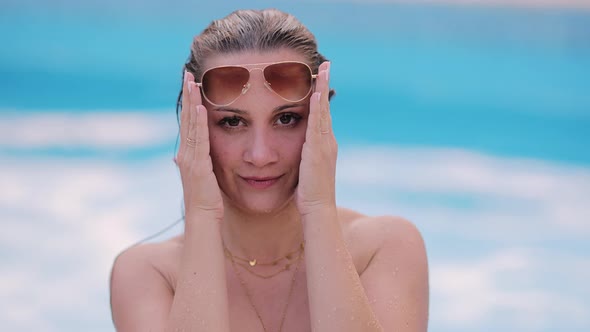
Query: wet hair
{"points": [[251, 30]]}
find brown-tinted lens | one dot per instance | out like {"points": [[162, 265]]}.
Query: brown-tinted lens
{"points": [[223, 85], [290, 80]]}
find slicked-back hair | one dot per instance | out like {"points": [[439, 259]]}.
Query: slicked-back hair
{"points": [[251, 30]]}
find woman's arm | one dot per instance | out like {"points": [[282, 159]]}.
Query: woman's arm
{"points": [[142, 299], [201, 301], [390, 295], [396, 279], [339, 299]]}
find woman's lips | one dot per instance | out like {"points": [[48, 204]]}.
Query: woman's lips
{"points": [[261, 182]]}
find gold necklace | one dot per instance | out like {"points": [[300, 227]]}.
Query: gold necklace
{"points": [[248, 268], [245, 287], [254, 262]]}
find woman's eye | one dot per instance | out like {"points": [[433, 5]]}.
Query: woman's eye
{"points": [[288, 119], [233, 121]]}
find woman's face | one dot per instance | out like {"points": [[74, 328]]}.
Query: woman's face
{"points": [[256, 141]]}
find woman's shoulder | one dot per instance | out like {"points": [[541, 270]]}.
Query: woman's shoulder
{"points": [[382, 225], [151, 257], [149, 251], [366, 235], [142, 282]]}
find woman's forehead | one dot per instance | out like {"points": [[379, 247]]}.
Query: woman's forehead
{"points": [[252, 57]]}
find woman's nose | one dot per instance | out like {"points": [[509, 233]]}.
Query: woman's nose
{"points": [[260, 150], [256, 82]]}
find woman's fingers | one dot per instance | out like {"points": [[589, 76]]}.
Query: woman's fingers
{"points": [[189, 110], [186, 105], [326, 111], [319, 122], [324, 88], [201, 131], [195, 95], [184, 120], [192, 140], [312, 134], [317, 170], [201, 191], [202, 138]]}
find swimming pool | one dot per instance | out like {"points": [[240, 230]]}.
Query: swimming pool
{"points": [[473, 122]]}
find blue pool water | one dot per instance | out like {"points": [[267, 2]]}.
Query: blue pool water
{"points": [[503, 81], [503, 212]]}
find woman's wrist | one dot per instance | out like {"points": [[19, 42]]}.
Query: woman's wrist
{"points": [[202, 218], [320, 215]]}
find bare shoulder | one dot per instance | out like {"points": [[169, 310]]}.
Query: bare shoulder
{"points": [[379, 230], [382, 241], [148, 256], [396, 271], [142, 283]]}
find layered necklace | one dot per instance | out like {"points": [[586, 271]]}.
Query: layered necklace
{"points": [[293, 257]]}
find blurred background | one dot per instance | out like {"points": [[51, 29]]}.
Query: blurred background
{"points": [[470, 118]]}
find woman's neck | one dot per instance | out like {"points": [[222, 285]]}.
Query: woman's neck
{"points": [[265, 237]]}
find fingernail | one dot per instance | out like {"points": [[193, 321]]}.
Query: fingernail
{"points": [[319, 97], [186, 81], [189, 87]]}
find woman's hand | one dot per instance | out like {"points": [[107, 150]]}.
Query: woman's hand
{"points": [[201, 190], [317, 172]]}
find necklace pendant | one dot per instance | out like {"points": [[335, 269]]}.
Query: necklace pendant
{"points": [[252, 262]]}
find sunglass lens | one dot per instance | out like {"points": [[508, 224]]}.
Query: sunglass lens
{"points": [[290, 80], [221, 86]]}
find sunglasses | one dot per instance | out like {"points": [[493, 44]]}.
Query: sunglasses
{"points": [[290, 80]]}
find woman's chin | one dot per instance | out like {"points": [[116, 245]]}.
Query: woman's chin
{"points": [[261, 205]]}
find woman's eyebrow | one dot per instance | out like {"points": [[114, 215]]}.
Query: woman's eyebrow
{"points": [[287, 106], [231, 110]]}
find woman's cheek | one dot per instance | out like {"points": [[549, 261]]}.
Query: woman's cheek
{"points": [[291, 143], [216, 148]]}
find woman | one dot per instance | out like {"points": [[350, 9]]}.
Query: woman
{"points": [[265, 248]]}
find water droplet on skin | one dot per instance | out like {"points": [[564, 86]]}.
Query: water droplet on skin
{"points": [[389, 305], [349, 268]]}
